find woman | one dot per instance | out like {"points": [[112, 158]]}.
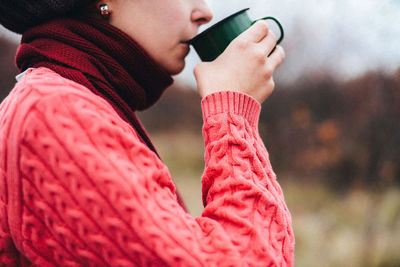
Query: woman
{"points": [[81, 183]]}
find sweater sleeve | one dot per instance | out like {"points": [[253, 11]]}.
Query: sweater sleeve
{"points": [[93, 195]]}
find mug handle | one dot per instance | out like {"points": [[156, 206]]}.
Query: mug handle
{"points": [[279, 25]]}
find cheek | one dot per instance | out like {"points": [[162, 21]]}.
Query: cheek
{"points": [[166, 44], [174, 23], [162, 33]]}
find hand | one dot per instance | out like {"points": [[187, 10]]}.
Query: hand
{"points": [[244, 66]]}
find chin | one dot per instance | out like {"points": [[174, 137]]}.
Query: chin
{"points": [[176, 68]]}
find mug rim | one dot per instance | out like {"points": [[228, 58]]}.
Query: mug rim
{"points": [[216, 25]]}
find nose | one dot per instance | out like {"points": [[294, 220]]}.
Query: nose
{"points": [[202, 13]]}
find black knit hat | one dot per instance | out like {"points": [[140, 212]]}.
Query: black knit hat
{"points": [[20, 15]]}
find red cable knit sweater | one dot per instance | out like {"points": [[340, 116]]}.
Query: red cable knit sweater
{"points": [[79, 188]]}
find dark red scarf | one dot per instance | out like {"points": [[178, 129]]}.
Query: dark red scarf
{"points": [[102, 58]]}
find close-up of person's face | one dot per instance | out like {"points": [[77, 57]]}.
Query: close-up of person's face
{"points": [[161, 27]]}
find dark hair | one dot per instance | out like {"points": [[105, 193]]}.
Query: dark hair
{"points": [[20, 15]]}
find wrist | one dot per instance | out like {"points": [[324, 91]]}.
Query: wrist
{"points": [[231, 102]]}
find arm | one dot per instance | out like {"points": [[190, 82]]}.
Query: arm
{"points": [[239, 186], [93, 194]]}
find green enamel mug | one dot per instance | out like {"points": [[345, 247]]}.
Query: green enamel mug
{"points": [[212, 42]]}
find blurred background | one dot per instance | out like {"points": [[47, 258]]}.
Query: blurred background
{"points": [[331, 126]]}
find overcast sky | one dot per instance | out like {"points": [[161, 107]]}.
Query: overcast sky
{"points": [[345, 37]]}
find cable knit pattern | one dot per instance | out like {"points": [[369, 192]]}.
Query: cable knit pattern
{"points": [[79, 188]]}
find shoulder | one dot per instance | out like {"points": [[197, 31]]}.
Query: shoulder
{"points": [[42, 83], [42, 86], [41, 94]]}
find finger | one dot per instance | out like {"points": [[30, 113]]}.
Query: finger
{"points": [[277, 56], [268, 43], [256, 33]]}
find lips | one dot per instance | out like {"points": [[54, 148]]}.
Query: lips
{"points": [[189, 40], [186, 42]]}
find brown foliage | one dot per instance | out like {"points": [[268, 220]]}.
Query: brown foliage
{"points": [[345, 133]]}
